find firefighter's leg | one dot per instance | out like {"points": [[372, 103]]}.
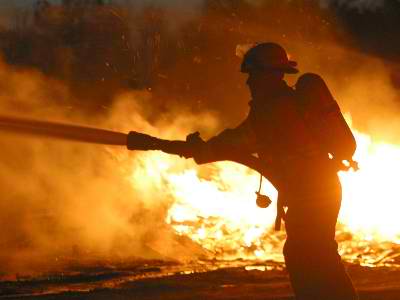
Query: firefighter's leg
{"points": [[314, 265]]}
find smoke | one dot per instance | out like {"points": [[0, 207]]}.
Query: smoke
{"points": [[63, 200], [369, 96]]}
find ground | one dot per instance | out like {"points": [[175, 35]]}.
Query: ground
{"points": [[169, 281]]}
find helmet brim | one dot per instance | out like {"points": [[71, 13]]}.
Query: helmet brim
{"points": [[290, 69]]}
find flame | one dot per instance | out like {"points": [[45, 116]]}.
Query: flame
{"points": [[214, 205], [370, 196]]}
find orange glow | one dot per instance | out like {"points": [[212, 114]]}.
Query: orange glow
{"points": [[214, 205], [371, 195]]}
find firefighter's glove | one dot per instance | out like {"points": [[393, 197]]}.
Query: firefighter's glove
{"points": [[194, 139], [198, 147], [141, 141]]}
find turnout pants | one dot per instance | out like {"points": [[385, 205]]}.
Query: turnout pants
{"points": [[315, 268]]}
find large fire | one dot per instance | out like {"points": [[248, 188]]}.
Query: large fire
{"points": [[215, 206]]}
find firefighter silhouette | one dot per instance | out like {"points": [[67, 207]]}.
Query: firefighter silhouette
{"points": [[301, 140]]}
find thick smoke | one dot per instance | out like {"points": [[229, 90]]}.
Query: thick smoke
{"points": [[63, 200]]}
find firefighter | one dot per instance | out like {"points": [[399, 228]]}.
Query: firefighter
{"points": [[305, 177]]}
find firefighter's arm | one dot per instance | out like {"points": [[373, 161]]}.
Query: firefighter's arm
{"points": [[221, 147], [216, 149], [229, 144]]}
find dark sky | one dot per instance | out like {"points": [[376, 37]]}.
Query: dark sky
{"points": [[6, 5], [374, 24], [377, 30]]}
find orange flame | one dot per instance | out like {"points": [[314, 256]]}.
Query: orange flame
{"points": [[370, 199], [214, 205]]}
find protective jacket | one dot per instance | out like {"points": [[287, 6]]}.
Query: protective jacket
{"points": [[276, 132]]}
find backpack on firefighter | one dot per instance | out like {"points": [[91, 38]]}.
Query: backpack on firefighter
{"points": [[325, 121]]}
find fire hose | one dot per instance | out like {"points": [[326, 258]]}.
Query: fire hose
{"points": [[61, 131], [133, 141], [137, 140]]}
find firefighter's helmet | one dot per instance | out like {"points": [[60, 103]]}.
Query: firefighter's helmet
{"points": [[267, 57]]}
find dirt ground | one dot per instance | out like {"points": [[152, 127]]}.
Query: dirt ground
{"points": [[177, 283]]}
